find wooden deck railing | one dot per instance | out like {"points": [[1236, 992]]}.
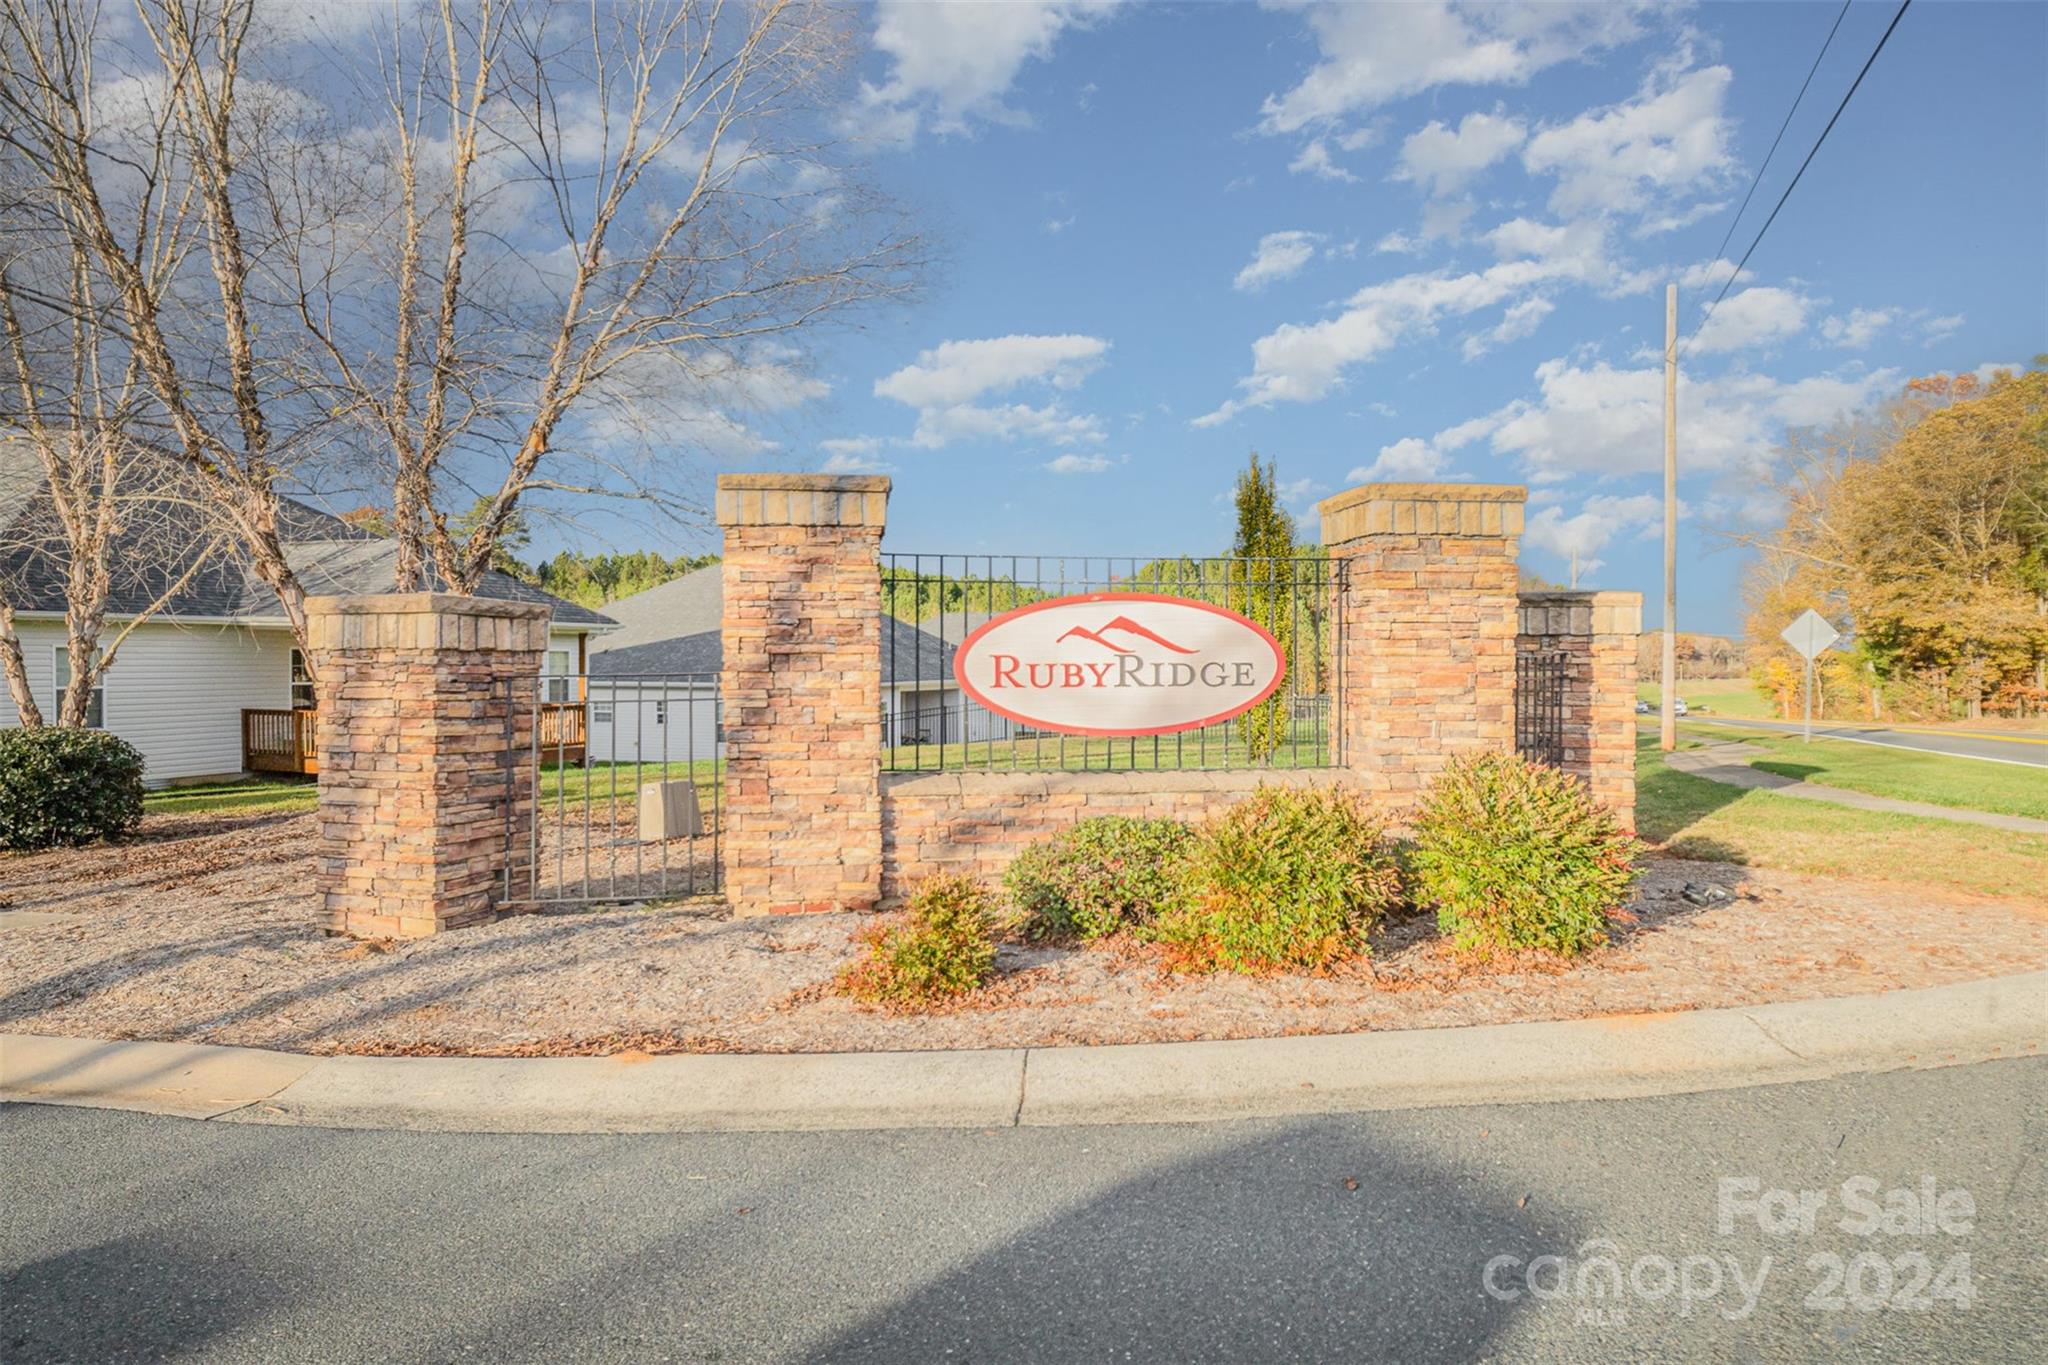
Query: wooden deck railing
{"points": [[564, 731], [279, 742], [284, 741]]}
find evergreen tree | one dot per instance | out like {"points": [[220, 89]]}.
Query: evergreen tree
{"points": [[1264, 590]]}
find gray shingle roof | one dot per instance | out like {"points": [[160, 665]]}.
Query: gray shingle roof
{"points": [[329, 555], [674, 628]]}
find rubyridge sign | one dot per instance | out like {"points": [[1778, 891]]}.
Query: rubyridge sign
{"points": [[1120, 664]]}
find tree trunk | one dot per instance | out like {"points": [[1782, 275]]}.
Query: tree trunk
{"points": [[12, 663]]}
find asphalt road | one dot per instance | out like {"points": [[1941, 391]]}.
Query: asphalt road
{"points": [[130, 1237], [2030, 749]]}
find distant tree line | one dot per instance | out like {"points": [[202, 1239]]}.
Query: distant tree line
{"points": [[585, 579]]}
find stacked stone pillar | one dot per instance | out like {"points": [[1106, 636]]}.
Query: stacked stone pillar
{"points": [[426, 711], [802, 688], [1595, 633], [1426, 646]]}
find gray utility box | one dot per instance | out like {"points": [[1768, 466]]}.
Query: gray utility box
{"points": [[668, 810]]}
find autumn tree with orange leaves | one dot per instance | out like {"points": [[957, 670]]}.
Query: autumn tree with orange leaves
{"points": [[1921, 531]]}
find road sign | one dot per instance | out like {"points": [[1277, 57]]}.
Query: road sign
{"points": [[1810, 634]]}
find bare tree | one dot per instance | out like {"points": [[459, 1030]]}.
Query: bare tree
{"points": [[87, 503], [127, 192], [618, 209], [497, 249]]}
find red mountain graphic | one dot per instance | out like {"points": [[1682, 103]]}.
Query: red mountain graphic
{"points": [[1128, 626]]}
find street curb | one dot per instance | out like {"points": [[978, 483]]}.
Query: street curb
{"points": [[1612, 1057]]}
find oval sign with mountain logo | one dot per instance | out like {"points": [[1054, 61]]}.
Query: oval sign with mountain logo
{"points": [[1120, 664]]}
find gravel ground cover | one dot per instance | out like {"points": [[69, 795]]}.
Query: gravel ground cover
{"points": [[204, 929]]}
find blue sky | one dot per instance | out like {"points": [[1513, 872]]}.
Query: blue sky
{"points": [[1416, 241]]}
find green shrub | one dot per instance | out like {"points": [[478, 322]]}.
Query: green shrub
{"points": [[941, 949], [67, 786], [1099, 877], [1515, 855], [1290, 878]]}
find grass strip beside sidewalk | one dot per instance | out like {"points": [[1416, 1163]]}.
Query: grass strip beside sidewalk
{"points": [[2003, 789], [1693, 817]]}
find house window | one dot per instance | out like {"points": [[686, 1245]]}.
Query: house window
{"points": [[302, 682], [600, 713], [559, 675], [96, 703], [718, 722], [661, 713]]}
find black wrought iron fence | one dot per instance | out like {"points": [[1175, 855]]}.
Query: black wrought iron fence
{"points": [[932, 603], [627, 773], [1539, 706]]}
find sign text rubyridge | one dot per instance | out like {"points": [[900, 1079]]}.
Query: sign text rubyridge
{"points": [[1127, 671]]}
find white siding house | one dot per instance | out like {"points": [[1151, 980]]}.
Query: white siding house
{"points": [[181, 681], [667, 649]]}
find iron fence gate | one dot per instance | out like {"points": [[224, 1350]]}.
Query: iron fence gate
{"points": [[932, 602], [1539, 706], [628, 776]]}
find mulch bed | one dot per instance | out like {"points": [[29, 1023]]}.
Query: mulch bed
{"points": [[204, 929]]}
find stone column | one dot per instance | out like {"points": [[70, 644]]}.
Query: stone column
{"points": [[1426, 657], [802, 687], [426, 708], [1596, 633]]}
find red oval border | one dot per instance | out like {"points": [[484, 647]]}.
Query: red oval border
{"points": [[961, 652]]}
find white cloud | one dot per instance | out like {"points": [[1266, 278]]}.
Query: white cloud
{"points": [[1754, 317], [1601, 518], [1302, 362], [1301, 494], [1055, 226], [1081, 464], [938, 427], [1412, 459], [1373, 54], [851, 445], [961, 371], [1408, 460], [1942, 328], [1520, 320], [1397, 244], [946, 383], [1314, 159], [1277, 256], [1443, 160], [1641, 154], [952, 64], [847, 462], [1595, 418], [1711, 275], [1859, 329]]}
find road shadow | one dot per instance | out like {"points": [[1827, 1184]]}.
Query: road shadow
{"points": [[1258, 1251]]}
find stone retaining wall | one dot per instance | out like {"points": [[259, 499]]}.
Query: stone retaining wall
{"points": [[977, 822]]}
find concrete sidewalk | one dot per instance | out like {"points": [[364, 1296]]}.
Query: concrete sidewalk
{"points": [[1602, 1058], [1729, 763]]}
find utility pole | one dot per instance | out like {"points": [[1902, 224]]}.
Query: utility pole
{"points": [[1667, 734]]}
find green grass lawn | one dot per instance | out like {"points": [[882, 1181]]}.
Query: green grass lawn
{"points": [[250, 796], [2003, 788], [1692, 817], [1309, 748], [602, 782], [571, 786], [1728, 696]]}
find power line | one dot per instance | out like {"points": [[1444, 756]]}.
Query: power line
{"points": [[1758, 178], [1853, 85]]}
